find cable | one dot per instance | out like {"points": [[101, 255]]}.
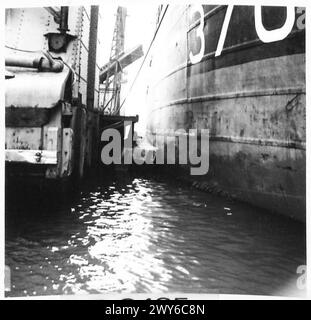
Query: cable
{"points": [[141, 66], [21, 50], [73, 73]]}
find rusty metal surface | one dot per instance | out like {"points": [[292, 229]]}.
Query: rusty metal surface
{"points": [[31, 156], [23, 138], [35, 89], [26, 117], [25, 29], [252, 98]]}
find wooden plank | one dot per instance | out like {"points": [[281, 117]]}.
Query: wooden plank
{"points": [[116, 118], [67, 156], [124, 60]]}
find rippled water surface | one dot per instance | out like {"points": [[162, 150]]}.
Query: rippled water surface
{"points": [[141, 235]]}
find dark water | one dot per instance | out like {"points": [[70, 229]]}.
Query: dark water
{"points": [[141, 235]]}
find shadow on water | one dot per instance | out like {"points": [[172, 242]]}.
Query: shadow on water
{"points": [[121, 232]]}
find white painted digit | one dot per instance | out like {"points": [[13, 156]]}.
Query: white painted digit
{"points": [[224, 30], [276, 34], [301, 19], [200, 34]]}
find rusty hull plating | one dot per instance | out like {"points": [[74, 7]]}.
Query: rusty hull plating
{"points": [[251, 97]]}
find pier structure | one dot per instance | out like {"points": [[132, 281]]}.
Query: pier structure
{"points": [[54, 119]]}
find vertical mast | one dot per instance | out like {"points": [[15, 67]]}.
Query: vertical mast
{"points": [[113, 81], [91, 66]]}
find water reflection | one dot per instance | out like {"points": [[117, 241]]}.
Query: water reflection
{"points": [[146, 236]]}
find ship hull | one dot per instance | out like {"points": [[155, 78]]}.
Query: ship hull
{"points": [[251, 98]]}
